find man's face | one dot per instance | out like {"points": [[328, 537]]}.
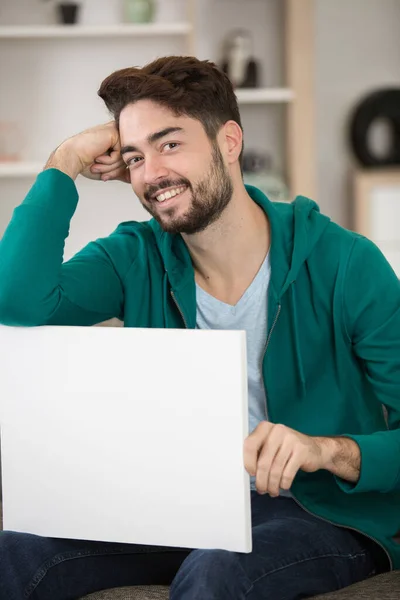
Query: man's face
{"points": [[177, 173]]}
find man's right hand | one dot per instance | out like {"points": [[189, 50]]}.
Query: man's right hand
{"points": [[94, 153]]}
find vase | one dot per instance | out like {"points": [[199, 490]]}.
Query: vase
{"points": [[139, 11], [68, 13]]}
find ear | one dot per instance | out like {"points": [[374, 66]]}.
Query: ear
{"points": [[232, 141]]}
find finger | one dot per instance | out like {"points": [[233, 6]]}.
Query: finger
{"points": [[94, 176], [108, 159], [253, 444], [289, 472], [115, 174], [264, 463], [104, 169], [271, 447], [277, 469]]}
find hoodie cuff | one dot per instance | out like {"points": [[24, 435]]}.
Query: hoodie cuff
{"points": [[380, 463], [54, 191]]}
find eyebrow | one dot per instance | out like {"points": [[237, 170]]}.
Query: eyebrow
{"points": [[152, 138]]}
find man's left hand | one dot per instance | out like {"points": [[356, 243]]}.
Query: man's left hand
{"points": [[274, 453]]}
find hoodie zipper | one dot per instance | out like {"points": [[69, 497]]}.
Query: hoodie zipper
{"points": [[179, 309], [292, 495], [278, 312]]}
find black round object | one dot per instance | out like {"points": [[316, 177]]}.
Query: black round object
{"points": [[382, 104]]}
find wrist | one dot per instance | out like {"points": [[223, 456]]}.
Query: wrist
{"points": [[329, 448], [65, 159], [341, 456]]}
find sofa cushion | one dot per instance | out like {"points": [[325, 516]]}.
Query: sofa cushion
{"points": [[382, 587], [154, 592], [379, 587]]}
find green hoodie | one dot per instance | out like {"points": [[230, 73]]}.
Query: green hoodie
{"points": [[332, 354]]}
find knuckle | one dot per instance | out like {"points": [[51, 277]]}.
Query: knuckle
{"points": [[264, 426], [249, 444], [281, 428], [262, 467], [274, 477]]}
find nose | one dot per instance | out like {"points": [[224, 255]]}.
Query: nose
{"points": [[154, 170]]}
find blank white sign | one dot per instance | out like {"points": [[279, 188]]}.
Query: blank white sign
{"points": [[126, 435]]}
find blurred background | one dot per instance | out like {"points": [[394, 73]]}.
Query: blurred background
{"points": [[318, 83]]}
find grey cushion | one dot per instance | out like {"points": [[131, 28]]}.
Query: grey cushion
{"points": [[153, 592], [382, 587]]}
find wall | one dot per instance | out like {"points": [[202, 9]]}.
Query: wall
{"points": [[357, 49]]}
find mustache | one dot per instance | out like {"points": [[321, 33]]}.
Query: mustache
{"points": [[153, 189]]}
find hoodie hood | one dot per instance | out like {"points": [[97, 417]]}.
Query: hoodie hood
{"points": [[295, 230]]}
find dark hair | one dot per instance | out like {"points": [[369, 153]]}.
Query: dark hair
{"points": [[186, 85]]}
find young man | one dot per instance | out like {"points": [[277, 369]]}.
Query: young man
{"points": [[321, 307]]}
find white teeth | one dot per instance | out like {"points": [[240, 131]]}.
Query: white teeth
{"points": [[170, 194]]}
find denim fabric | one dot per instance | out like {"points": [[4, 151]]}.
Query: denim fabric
{"points": [[295, 555]]}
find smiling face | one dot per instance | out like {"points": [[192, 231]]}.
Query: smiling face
{"points": [[177, 172]]}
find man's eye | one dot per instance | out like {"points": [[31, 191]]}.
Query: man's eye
{"points": [[134, 160], [172, 144]]}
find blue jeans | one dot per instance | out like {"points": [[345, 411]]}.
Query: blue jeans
{"points": [[295, 555]]}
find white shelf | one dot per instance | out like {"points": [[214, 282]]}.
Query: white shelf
{"points": [[263, 95], [20, 169], [74, 31]]}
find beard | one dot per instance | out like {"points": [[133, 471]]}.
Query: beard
{"points": [[209, 198]]}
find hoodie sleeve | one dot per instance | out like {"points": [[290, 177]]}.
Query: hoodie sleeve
{"points": [[36, 287], [372, 318]]}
